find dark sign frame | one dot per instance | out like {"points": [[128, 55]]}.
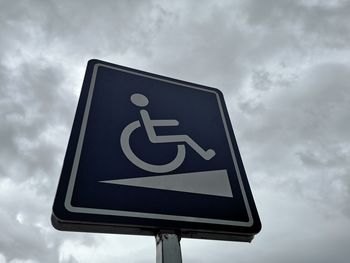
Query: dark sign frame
{"points": [[69, 218]]}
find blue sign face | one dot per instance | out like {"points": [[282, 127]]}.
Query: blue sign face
{"points": [[149, 153]]}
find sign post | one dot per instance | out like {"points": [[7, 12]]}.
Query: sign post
{"points": [[168, 248], [148, 153]]}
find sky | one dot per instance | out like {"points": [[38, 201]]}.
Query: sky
{"points": [[283, 67]]}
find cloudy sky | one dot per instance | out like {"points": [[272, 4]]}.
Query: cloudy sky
{"points": [[283, 67]]}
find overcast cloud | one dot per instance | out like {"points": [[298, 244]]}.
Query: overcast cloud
{"points": [[283, 67]]}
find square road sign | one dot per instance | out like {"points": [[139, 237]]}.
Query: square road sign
{"points": [[149, 153]]}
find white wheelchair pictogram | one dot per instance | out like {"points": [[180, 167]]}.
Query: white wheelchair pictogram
{"points": [[149, 124]]}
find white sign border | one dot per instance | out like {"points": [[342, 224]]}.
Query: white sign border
{"points": [[87, 210]]}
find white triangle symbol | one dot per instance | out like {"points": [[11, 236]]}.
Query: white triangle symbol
{"points": [[208, 182]]}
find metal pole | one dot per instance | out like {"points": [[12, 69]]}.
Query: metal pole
{"points": [[168, 248]]}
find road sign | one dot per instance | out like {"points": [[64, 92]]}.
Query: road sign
{"points": [[151, 154]]}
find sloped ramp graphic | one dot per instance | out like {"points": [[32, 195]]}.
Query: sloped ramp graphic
{"points": [[214, 182]]}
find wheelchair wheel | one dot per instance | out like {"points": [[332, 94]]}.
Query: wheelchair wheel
{"points": [[163, 168]]}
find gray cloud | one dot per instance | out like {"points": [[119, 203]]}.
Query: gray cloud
{"points": [[320, 22], [308, 128], [33, 107], [283, 68]]}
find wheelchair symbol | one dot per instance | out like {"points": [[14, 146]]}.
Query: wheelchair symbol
{"points": [[149, 124]]}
